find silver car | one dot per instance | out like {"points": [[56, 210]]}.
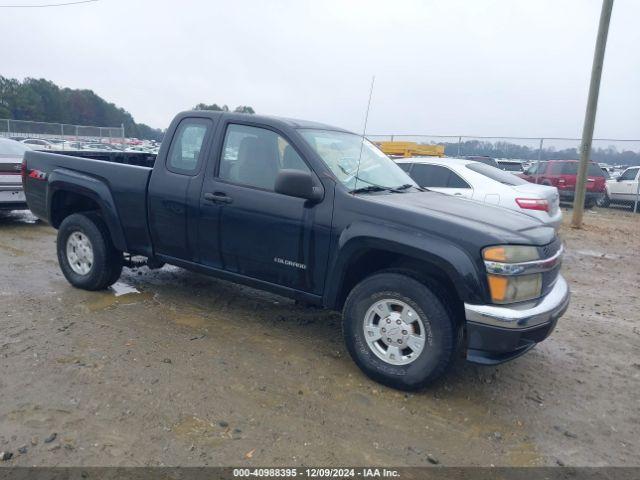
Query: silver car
{"points": [[11, 194]]}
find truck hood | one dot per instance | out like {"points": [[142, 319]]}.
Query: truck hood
{"points": [[437, 212]]}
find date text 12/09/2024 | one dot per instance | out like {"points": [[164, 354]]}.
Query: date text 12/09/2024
{"points": [[316, 472]]}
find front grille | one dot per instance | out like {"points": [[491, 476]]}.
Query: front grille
{"points": [[550, 249], [549, 278]]}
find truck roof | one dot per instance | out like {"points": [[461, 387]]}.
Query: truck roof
{"points": [[291, 122]]}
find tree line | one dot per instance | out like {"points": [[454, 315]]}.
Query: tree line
{"points": [[41, 100], [502, 149]]}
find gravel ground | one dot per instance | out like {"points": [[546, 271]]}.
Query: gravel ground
{"points": [[188, 370]]}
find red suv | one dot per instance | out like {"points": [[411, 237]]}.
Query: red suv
{"points": [[562, 175]]}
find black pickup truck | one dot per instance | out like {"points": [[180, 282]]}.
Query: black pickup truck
{"points": [[318, 214]]}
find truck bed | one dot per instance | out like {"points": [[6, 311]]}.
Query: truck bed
{"points": [[126, 158], [121, 178]]}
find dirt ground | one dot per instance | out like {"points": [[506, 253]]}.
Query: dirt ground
{"points": [[188, 370]]}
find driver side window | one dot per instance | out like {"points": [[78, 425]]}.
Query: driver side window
{"points": [[254, 156], [629, 174]]}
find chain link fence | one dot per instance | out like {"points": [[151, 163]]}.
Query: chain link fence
{"points": [[618, 154], [60, 131]]}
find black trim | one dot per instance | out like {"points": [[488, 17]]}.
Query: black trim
{"points": [[244, 280], [490, 345]]}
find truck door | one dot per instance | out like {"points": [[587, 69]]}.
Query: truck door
{"points": [[174, 190], [625, 186], [263, 235]]}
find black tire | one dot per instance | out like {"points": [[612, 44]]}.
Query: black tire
{"points": [[107, 261], [604, 201], [441, 328]]}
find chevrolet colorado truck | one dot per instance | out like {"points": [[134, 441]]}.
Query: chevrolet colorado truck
{"points": [[317, 214]]}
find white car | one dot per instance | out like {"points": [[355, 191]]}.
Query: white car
{"points": [[39, 144], [477, 181], [622, 189]]}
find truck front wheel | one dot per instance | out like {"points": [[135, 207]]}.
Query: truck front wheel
{"points": [[398, 331], [86, 254]]}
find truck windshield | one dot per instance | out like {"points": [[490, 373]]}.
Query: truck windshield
{"points": [[341, 150]]}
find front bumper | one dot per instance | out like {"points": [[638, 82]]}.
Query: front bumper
{"points": [[499, 333]]}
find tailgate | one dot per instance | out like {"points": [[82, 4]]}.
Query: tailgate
{"points": [[10, 172]]}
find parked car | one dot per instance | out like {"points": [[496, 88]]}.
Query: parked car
{"points": [[514, 166], [11, 193], [562, 174], [484, 183], [483, 159], [39, 143], [100, 147], [314, 213], [623, 189]]}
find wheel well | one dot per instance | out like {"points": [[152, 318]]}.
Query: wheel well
{"points": [[373, 261], [64, 204]]}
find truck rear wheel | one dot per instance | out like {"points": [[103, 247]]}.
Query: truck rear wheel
{"points": [[86, 254], [398, 331]]}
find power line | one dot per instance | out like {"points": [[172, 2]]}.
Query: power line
{"points": [[49, 4]]}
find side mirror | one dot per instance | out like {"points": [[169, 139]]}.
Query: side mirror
{"points": [[296, 183], [619, 179]]}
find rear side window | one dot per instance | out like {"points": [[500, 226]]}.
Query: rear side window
{"points": [[436, 176], [186, 146], [430, 176], [571, 168], [456, 181], [538, 168], [496, 174], [510, 167], [556, 169]]}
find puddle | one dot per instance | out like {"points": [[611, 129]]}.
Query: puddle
{"points": [[69, 360], [524, 454], [193, 321], [16, 252], [200, 431], [105, 300], [596, 254]]}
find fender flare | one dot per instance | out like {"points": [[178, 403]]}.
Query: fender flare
{"points": [[439, 252], [64, 180]]}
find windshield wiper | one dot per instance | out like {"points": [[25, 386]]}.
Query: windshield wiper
{"points": [[409, 185], [372, 188]]}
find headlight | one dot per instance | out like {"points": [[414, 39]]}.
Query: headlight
{"points": [[511, 289], [506, 276], [511, 253]]}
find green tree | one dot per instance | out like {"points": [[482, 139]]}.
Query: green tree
{"points": [[224, 108], [244, 109], [43, 101]]}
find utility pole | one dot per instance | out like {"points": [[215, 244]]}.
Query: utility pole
{"points": [[590, 115]]}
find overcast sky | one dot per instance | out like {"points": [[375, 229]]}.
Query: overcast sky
{"points": [[475, 67]]}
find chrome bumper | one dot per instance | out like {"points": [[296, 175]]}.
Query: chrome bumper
{"points": [[544, 310]]}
